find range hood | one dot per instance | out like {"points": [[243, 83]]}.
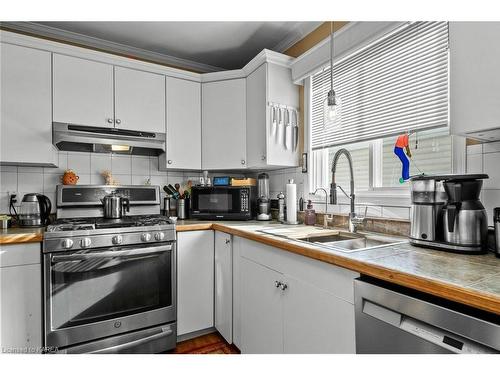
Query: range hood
{"points": [[71, 137]]}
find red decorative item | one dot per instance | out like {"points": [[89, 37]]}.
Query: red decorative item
{"points": [[69, 177]]}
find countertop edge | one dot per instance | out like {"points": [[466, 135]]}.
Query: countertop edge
{"points": [[484, 301]]}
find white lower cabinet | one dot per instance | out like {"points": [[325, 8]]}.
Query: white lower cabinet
{"points": [[224, 285], [261, 309], [195, 281], [288, 303], [20, 298]]}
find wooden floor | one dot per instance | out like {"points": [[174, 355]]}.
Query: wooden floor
{"points": [[213, 343]]}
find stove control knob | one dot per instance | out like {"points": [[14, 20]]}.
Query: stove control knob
{"points": [[117, 240], [159, 236], [67, 243], [85, 242], [146, 237]]}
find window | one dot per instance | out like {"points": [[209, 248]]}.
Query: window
{"points": [[396, 84]]}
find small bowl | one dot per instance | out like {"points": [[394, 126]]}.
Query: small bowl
{"points": [[173, 218]]}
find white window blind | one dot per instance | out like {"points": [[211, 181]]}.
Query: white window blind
{"points": [[399, 83]]}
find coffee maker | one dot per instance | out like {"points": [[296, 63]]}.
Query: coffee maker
{"points": [[446, 213], [263, 199]]}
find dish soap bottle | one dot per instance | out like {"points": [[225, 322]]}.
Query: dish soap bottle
{"points": [[310, 214]]}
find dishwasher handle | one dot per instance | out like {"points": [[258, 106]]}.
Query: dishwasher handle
{"points": [[433, 334]]}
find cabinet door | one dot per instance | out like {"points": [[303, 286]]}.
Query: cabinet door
{"points": [[256, 118], [316, 321], [261, 309], [20, 297], [26, 106], [82, 91], [224, 124], [195, 281], [183, 125], [224, 286], [474, 78], [139, 100]]}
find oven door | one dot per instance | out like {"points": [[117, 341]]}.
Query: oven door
{"points": [[91, 294]]}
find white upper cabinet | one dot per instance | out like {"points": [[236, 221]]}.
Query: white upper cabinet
{"points": [[273, 129], [97, 94], [474, 78], [139, 100], [26, 106], [82, 91], [224, 124], [183, 125]]}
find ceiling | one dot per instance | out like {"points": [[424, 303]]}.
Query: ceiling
{"points": [[202, 46]]}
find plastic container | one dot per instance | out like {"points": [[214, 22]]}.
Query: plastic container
{"points": [[310, 214]]}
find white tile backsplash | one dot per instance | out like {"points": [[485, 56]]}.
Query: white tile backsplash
{"points": [[491, 147], [475, 163], [490, 157], [8, 181], [30, 182], [140, 166], [492, 168], [121, 164], [79, 162], [100, 163]]}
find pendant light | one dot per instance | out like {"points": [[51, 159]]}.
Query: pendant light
{"points": [[332, 106]]}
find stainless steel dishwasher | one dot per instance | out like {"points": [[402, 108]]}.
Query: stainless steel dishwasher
{"points": [[392, 319]]}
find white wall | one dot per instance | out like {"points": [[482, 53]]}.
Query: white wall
{"points": [[129, 170], [482, 158]]}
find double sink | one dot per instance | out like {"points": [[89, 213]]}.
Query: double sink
{"points": [[334, 239]]}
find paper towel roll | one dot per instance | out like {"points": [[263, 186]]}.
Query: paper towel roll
{"points": [[291, 202]]}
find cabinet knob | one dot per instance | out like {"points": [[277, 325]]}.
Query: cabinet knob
{"points": [[169, 161], [110, 120], [243, 161], [118, 121], [277, 284], [228, 240], [263, 157], [283, 286]]}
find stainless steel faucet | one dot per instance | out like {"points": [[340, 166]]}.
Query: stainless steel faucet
{"points": [[354, 220], [326, 218]]}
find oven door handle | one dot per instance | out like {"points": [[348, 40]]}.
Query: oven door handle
{"points": [[112, 254], [117, 348]]}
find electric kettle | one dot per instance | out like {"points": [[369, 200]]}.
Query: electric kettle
{"points": [[34, 211]]}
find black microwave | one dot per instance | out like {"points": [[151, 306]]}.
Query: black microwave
{"points": [[223, 202]]}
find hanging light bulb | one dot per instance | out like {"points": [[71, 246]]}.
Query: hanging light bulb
{"points": [[332, 105]]}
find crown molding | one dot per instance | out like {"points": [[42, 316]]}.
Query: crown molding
{"points": [[295, 36], [265, 56], [111, 47]]}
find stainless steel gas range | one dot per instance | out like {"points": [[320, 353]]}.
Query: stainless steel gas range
{"points": [[109, 284]]}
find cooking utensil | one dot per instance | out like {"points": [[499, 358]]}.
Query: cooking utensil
{"points": [[273, 120], [295, 127], [288, 130], [114, 205], [279, 133]]}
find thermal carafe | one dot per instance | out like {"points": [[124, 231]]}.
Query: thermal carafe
{"points": [[465, 222]]}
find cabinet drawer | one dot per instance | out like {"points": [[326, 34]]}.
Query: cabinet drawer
{"points": [[20, 254], [335, 280]]}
